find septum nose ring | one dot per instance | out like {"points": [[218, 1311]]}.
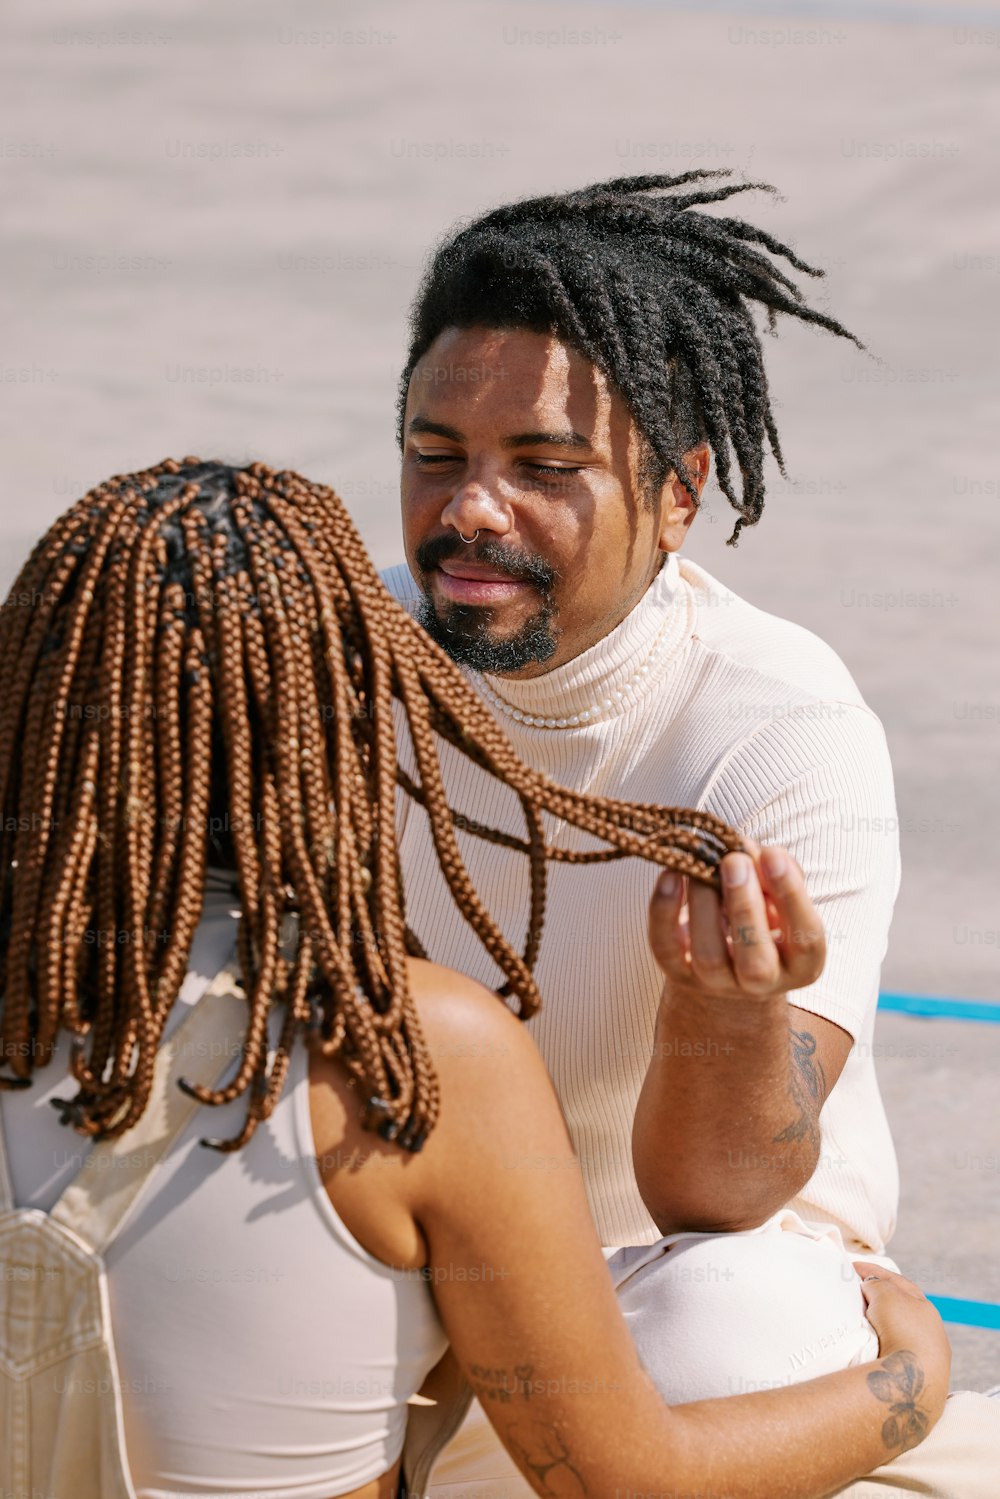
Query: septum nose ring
{"points": [[469, 539]]}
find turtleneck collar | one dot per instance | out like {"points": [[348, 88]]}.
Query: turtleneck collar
{"points": [[613, 675]]}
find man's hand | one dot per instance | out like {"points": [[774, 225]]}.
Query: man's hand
{"points": [[726, 1129], [764, 937]]}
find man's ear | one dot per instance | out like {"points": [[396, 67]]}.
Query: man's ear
{"points": [[678, 508]]}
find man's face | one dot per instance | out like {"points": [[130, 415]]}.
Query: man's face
{"points": [[516, 436]]}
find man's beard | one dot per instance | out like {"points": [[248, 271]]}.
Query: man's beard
{"points": [[463, 630], [464, 634]]}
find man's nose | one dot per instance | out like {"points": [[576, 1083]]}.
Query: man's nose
{"points": [[477, 506]]}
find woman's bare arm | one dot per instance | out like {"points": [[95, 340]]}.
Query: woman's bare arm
{"points": [[528, 1304]]}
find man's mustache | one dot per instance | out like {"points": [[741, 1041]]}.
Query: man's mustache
{"points": [[520, 567]]}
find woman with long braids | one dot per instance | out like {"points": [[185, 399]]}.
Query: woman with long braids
{"points": [[198, 774]]}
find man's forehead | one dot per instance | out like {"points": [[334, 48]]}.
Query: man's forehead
{"points": [[523, 381]]}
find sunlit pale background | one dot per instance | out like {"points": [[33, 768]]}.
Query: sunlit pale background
{"points": [[216, 218]]}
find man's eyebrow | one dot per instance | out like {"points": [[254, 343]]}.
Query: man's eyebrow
{"points": [[435, 429], [547, 439], [423, 425]]}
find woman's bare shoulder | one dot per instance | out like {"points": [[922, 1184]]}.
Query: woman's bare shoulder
{"points": [[451, 1005], [429, 980], [483, 1055]]}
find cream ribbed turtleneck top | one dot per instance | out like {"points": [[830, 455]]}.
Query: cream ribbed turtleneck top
{"points": [[695, 699]]}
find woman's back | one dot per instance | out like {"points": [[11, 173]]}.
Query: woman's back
{"points": [[261, 1349]]}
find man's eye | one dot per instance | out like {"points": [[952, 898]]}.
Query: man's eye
{"points": [[548, 470], [426, 459]]}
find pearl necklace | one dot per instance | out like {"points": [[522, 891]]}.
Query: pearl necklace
{"points": [[586, 715]]}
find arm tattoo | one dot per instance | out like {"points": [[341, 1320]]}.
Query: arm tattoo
{"points": [[540, 1448], [898, 1384], [806, 1089], [497, 1384]]}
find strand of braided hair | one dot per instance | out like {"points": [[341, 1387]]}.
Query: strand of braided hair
{"points": [[199, 647], [655, 293]]}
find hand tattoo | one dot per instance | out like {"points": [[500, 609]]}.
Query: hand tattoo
{"points": [[898, 1384]]}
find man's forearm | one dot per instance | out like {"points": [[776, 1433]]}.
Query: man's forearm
{"points": [[726, 1130]]}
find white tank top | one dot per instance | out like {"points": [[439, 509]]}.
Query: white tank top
{"points": [[262, 1351]]}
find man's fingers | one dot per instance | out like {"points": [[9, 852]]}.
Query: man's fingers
{"points": [[802, 942], [754, 957], [766, 937], [667, 935], [711, 967]]}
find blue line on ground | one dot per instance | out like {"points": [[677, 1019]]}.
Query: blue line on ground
{"points": [[944, 1009], [968, 1313]]}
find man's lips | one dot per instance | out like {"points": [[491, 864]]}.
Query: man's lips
{"points": [[475, 583]]}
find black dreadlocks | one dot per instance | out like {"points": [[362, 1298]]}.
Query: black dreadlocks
{"points": [[656, 296]]}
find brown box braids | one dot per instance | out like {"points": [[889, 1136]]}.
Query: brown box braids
{"points": [[198, 638]]}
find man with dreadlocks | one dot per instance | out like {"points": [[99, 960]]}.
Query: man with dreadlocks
{"points": [[575, 362], [199, 661]]}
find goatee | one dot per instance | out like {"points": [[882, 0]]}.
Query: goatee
{"points": [[464, 632]]}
